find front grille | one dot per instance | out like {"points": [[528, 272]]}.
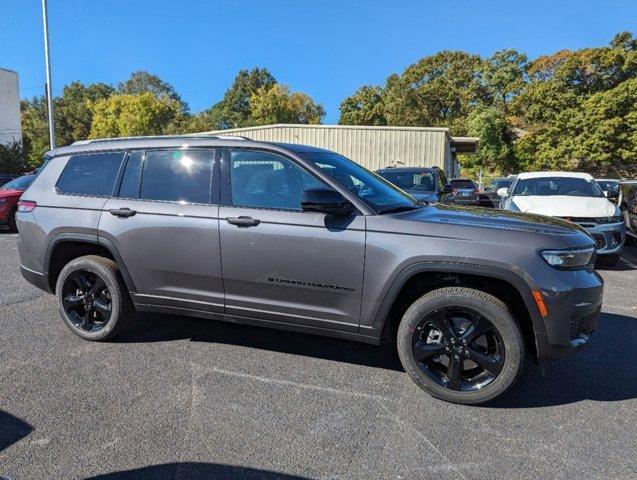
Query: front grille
{"points": [[600, 240], [576, 327]]}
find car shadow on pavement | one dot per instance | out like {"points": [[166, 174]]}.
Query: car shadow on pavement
{"points": [[12, 430], [604, 371], [196, 470], [161, 327]]}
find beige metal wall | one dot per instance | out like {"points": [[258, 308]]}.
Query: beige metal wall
{"points": [[372, 147]]}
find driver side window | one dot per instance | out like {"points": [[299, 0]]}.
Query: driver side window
{"points": [[266, 180]]}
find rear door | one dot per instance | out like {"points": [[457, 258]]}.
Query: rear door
{"points": [[280, 263], [164, 223]]}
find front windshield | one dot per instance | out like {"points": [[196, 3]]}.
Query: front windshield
{"points": [[550, 186], [420, 181], [20, 183], [372, 189]]}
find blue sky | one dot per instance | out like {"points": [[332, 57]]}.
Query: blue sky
{"points": [[326, 48]]}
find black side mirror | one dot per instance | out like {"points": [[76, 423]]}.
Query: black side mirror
{"points": [[323, 200], [448, 188]]}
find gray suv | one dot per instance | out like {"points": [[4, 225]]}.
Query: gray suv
{"points": [[300, 238]]}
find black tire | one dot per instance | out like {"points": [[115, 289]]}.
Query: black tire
{"points": [[114, 290], [502, 325], [610, 260], [11, 221]]}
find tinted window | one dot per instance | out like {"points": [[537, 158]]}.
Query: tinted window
{"points": [[132, 176], [568, 186], [423, 181], [177, 176], [90, 174], [461, 183], [377, 192], [20, 183], [267, 180]]}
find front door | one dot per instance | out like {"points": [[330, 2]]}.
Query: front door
{"points": [[165, 225], [282, 264]]}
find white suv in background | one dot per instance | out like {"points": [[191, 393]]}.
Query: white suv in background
{"points": [[573, 196]]}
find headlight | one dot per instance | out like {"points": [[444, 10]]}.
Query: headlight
{"points": [[568, 258], [615, 219]]}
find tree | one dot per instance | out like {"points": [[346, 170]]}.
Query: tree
{"points": [[438, 90], [495, 150], [142, 81], [73, 114], [503, 76], [13, 158], [275, 104], [123, 115], [233, 111], [35, 130], [364, 107]]}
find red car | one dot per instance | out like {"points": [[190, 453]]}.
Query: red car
{"points": [[10, 193]]}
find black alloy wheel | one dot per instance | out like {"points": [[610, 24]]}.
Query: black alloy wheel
{"points": [[458, 348], [87, 300]]}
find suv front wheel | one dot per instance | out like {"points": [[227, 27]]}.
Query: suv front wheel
{"points": [[461, 345], [93, 299]]}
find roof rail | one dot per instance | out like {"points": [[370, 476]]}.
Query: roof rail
{"points": [[162, 137]]}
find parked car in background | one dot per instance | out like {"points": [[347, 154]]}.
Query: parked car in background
{"points": [[465, 192], [572, 196], [489, 196], [309, 241], [10, 193], [610, 187], [628, 206], [6, 177], [422, 183]]}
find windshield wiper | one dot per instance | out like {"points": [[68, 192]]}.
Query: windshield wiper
{"points": [[399, 208]]}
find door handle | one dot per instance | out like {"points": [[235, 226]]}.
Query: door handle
{"points": [[243, 221], [123, 212]]}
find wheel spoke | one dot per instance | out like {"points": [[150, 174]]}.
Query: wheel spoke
{"points": [[443, 324], [493, 365], [423, 351], [80, 281], [477, 329], [72, 300], [103, 309], [97, 286], [454, 372]]}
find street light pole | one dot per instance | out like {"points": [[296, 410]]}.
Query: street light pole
{"points": [[49, 96]]}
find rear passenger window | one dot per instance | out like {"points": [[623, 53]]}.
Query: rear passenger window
{"points": [[132, 176], [90, 174], [177, 176]]}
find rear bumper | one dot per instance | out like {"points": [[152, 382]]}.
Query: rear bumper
{"points": [[466, 200], [572, 318], [37, 279]]}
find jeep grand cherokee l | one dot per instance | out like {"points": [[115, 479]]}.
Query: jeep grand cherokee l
{"points": [[300, 238]]}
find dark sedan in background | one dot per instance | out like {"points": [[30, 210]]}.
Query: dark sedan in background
{"points": [[465, 192]]}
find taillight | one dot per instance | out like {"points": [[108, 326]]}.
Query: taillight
{"points": [[475, 190], [26, 206]]}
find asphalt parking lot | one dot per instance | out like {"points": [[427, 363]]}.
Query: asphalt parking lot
{"points": [[182, 398]]}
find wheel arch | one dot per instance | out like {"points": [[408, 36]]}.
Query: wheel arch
{"points": [[65, 247], [418, 279]]}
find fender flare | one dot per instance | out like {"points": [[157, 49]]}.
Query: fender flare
{"points": [[94, 240]]}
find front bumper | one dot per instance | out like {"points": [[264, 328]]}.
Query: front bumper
{"points": [[572, 317], [609, 238]]}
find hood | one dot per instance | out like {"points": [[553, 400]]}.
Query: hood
{"points": [[490, 218], [565, 206], [10, 193]]}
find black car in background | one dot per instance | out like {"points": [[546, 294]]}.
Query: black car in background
{"points": [[465, 192], [489, 196], [423, 183], [610, 187], [628, 206]]}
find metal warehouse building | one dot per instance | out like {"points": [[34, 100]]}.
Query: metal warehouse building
{"points": [[372, 147]]}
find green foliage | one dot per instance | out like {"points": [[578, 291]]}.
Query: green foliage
{"points": [[495, 150], [503, 76], [13, 158], [142, 81], [275, 104], [125, 115], [35, 130], [364, 107]]}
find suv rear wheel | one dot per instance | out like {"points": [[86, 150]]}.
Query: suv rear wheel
{"points": [[93, 299], [461, 345]]}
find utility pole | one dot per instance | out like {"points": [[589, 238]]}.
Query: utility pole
{"points": [[47, 59]]}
